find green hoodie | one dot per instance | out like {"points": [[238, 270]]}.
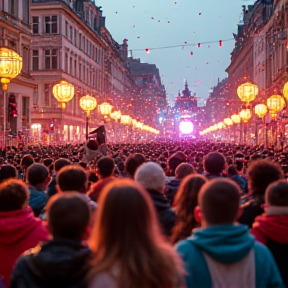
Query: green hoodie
{"points": [[226, 244]]}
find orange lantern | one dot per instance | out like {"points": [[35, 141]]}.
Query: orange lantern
{"points": [[88, 104], [260, 110], [63, 92], [247, 92], [116, 115], [285, 92], [236, 118], [276, 103], [228, 121], [245, 114], [126, 119], [105, 109]]}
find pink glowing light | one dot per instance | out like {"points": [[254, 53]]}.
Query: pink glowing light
{"points": [[186, 127]]}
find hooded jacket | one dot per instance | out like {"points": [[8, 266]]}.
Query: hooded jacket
{"points": [[19, 231], [37, 200], [59, 263], [272, 230], [227, 245]]}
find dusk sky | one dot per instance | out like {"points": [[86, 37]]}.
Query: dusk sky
{"points": [[153, 24]]}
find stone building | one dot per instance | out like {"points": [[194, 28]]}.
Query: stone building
{"points": [[66, 45], [15, 34]]}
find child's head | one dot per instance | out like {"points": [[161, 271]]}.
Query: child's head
{"points": [[277, 194], [14, 195], [68, 216], [219, 201]]}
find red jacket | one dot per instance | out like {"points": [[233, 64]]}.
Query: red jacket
{"points": [[271, 227], [97, 188], [19, 231]]}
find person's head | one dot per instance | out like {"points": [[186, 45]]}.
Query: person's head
{"points": [[38, 176], [239, 165], [72, 178], [186, 199], [140, 158], [105, 167], [175, 160], [14, 195], [26, 161], [151, 176], [131, 165], [277, 194], [60, 163], [134, 242], [48, 162], [183, 170], [214, 163], [219, 202], [262, 173], [68, 216], [7, 171], [231, 170]]}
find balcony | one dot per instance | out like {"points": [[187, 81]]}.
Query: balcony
{"points": [[46, 113]]}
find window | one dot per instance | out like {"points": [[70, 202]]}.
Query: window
{"points": [[75, 67], [75, 36], [66, 28], [51, 24], [35, 60], [25, 11], [80, 71], [66, 63], [25, 60], [12, 8], [35, 25], [51, 59], [71, 33], [46, 95], [70, 66]]}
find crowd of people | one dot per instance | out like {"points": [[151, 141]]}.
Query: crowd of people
{"points": [[162, 215]]}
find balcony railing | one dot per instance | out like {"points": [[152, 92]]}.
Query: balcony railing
{"points": [[47, 110]]}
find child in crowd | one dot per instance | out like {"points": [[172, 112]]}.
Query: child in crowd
{"points": [[64, 260], [271, 228]]}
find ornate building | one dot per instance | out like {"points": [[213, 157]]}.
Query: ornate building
{"points": [[15, 34]]}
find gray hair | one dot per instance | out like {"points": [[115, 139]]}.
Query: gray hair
{"points": [[151, 176]]}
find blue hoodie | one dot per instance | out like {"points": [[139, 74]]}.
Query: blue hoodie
{"points": [[226, 244]]}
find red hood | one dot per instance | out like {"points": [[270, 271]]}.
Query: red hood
{"points": [[15, 225], [273, 227]]}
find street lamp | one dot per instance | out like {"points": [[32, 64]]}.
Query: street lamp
{"points": [[88, 104], [10, 67], [261, 111], [63, 92], [105, 109], [276, 104], [245, 115]]}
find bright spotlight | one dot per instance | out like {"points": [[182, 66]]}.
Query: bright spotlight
{"points": [[186, 127]]}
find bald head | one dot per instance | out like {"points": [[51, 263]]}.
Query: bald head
{"points": [[219, 201]]}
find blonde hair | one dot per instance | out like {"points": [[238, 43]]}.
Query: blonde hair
{"points": [[126, 232]]}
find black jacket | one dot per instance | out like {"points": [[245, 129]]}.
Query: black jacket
{"points": [[59, 263], [251, 210], [171, 190], [166, 214]]}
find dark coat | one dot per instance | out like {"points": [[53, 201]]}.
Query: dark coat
{"points": [[171, 190], [166, 214], [251, 210], [59, 263], [52, 187]]}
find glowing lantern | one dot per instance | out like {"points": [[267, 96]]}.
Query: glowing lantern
{"points": [[228, 121], [116, 115], [105, 109], [260, 110], [134, 122], [63, 92], [10, 66], [245, 114], [247, 92], [236, 118], [88, 104], [285, 91], [273, 115], [220, 125], [126, 119], [276, 103]]}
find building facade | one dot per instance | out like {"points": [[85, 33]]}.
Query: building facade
{"points": [[15, 34], [66, 45]]}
